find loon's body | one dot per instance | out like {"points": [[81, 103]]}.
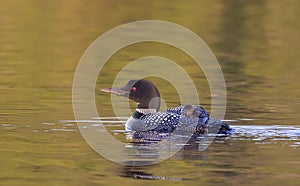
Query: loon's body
{"points": [[147, 122]]}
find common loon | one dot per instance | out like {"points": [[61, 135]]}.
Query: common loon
{"points": [[147, 122]]}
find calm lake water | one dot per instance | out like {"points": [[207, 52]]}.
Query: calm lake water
{"points": [[256, 43]]}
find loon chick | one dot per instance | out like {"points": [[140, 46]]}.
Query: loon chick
{"points": [[147, 120]]}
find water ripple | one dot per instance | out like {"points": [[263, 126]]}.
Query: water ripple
{"points": [[260, 134], [267, 134]]}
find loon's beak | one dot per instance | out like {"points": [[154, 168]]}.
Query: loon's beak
{"points": [[116, 91], [121, 91]]}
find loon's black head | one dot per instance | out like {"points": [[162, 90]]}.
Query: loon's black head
{"points": [[141, 91]]}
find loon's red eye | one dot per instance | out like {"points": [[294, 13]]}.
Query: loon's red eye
{"points": [[133, 89]]}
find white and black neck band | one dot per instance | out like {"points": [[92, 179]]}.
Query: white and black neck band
{"points": [[140, 112]]}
